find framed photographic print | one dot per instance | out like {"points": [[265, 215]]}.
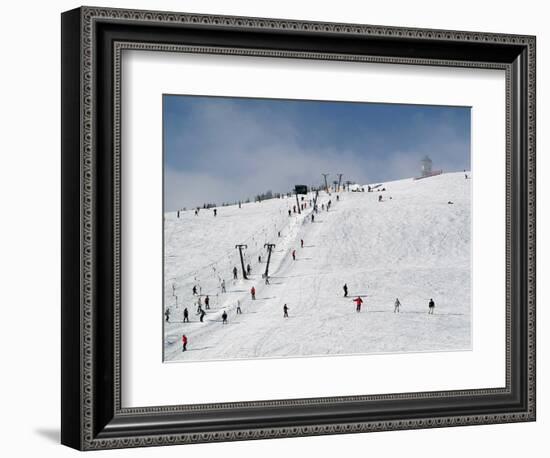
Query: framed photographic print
{"points": [[278, 228]]}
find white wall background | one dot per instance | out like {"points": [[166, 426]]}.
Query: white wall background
{"points": [[30, 240]]}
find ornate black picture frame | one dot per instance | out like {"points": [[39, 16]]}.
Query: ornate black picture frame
{"points": [[92, 42]]}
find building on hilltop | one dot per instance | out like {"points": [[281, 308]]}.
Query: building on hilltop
{"points": [[426, 166], [426, 169]]}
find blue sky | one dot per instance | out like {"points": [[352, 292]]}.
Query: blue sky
{"points": [[224, 149]]}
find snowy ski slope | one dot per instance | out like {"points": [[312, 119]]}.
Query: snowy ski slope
{"points": [[414, 246]]}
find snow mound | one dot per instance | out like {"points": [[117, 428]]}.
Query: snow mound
{"points": [[411, 241]]}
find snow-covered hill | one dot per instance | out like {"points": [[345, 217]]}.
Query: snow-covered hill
{"points": [[413, 245]]}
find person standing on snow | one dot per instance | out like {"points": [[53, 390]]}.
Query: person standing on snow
{"points": [[167, 315], [239, 311], [345, 288], [302, 243], [185, 315], [253, 293], [248, 269], [235, 273], [285, 311], [202, 315], [431, 307], [224, 317], [215, 212], [358, 301], [207, 303], [184, 342], [194, 290], [294, 255], [312, 218], [396, 305], [259, 259]]}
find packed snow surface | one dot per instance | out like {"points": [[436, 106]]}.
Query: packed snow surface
{"points": [[413, 245]]}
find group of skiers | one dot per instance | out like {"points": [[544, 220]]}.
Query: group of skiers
{"points": [[236, 272], [396, 305], [201, 312]]}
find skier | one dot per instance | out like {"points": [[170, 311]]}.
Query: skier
{"points": [[184, 342], [223, 286], [294, 255], [194, 290], [379, 198], [178, 214], [235, 273], [396, 305], [337, 198], [253, 293], [167, 315], [185, 315], [202, 315], [285, 311], [196, 212], [431, 307], [302, 242], [259, 259], [215, 212], [279, 234], [358, 301], [199, 309], [345, 288], [294, 208], [289, 212], [312, 218], [224, 317], [207, 303], [248, 269], [239, 311]]}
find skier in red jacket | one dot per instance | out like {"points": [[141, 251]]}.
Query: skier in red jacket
{"points": [[358, 301], [253, 293], [184, 342]]}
